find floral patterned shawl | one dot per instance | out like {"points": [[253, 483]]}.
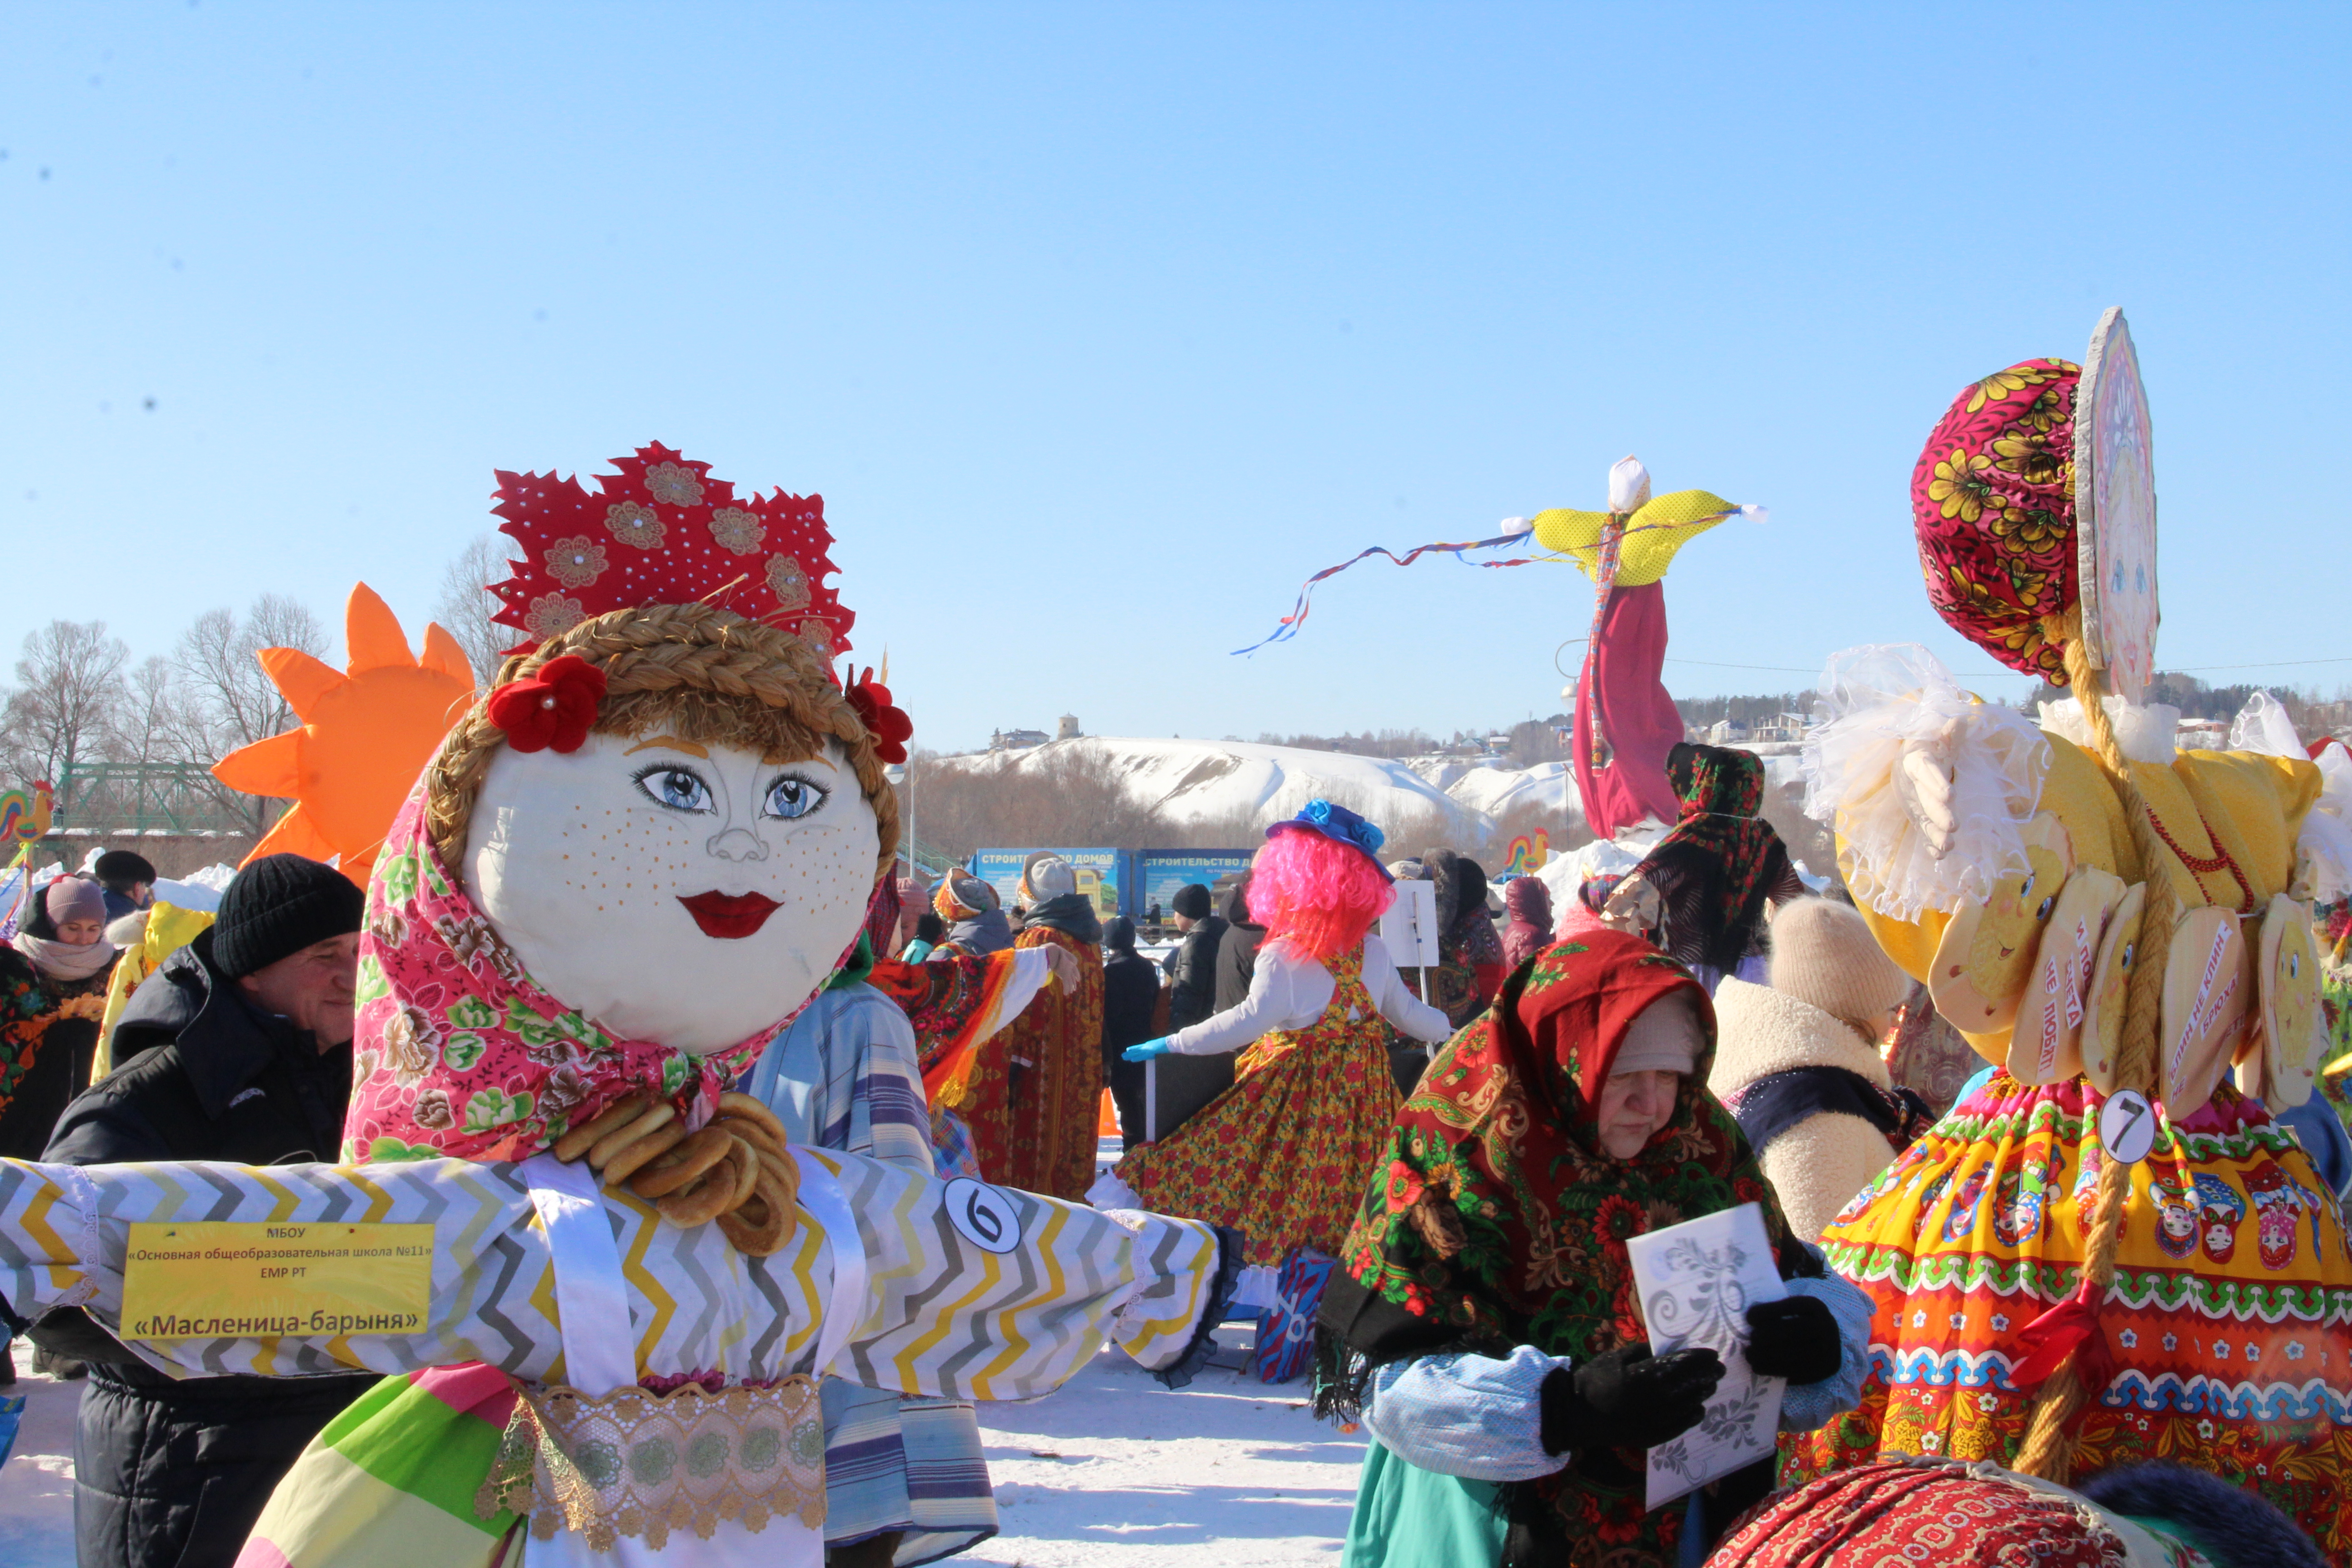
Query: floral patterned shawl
{"points": [[461, 1055], [1500, 1220], [1722, 861]]}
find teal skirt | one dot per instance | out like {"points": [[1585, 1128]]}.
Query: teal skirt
{"points": [[1407, 1517]]}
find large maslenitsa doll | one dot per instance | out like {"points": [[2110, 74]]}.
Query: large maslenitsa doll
{"points": [[627, 867], [2113, 1250]]}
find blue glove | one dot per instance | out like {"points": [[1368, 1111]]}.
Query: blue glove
{"points": [[1146, 1051]]}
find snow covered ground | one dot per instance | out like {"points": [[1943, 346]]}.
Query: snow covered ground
{"points": [[1112, 1469], [36, 1483], [1205, 781]]}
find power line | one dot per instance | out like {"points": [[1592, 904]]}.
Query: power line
{"points": [[2022, 675]]}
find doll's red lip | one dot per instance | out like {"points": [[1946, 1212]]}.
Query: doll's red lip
{"points": [[729, 916]]}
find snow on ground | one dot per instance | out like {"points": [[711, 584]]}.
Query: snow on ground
{"points": [[36, 1483], [1499, 792], [1112, 1469], [1195, 781]]}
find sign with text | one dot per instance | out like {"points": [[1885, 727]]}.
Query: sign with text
{"points": [[206, 1280], [1101, 874], [1159, 873]]}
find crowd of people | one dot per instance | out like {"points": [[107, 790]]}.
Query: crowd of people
{"points": [[1355, 1123], [770, 1182]]}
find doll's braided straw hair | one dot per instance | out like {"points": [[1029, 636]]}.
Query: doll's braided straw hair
{"points": [[708, 675], [2049, 1446], [697, 672]]}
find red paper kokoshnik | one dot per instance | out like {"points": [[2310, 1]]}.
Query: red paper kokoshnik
{"points": [[661, 530]]}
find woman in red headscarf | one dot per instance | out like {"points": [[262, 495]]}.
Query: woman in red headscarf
{"points": [[1481, 1316]]}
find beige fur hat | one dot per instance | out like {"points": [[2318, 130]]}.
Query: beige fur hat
{"points": [[1824, 956]]}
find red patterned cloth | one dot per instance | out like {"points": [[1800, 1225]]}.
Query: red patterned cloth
{"points": [[1897, 1513], [1993, 504]]}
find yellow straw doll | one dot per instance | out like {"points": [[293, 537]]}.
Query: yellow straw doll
{"points": [[2109, 1251], [626, 870]]}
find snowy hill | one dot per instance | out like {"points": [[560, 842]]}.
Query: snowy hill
{"points": [[1206, 781]]}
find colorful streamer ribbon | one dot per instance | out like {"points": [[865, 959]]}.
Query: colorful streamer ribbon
{"points": [[1297, 617]]}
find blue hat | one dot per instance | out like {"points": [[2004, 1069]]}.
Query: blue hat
{"points": [[1340, 826]]}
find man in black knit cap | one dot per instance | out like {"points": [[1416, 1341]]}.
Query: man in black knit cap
{"points": [[237, 1049]]}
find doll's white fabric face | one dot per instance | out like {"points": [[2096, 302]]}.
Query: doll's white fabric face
{"points": [[689, 894]]}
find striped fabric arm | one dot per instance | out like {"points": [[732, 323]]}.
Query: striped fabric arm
{"points": [[973, 1291]]}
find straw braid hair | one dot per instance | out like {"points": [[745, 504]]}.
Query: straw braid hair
{"points": [[699, 672]]}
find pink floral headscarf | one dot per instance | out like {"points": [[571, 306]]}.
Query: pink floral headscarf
{"points": [[461, 1055]]}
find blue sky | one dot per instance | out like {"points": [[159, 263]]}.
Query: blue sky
{"points": [[1099, 327]]}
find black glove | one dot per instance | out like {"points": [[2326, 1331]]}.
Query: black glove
{"points": [[1627, 1398], [1795, 1338]]}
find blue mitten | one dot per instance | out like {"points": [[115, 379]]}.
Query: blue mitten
{"points": [[1146, 1050]]}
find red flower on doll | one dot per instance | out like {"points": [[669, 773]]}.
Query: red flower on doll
{"points": [[555, 708], [891, 728]]}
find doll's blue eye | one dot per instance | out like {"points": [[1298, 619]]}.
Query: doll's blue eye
{"points": [[677, 788], [791, 797]]}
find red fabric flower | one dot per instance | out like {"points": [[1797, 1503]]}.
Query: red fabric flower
{"points": [[891, 728], [555, 708]]}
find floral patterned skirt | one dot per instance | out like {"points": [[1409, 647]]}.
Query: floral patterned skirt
{"points": [[2228, 1320], [1284, 1154]]}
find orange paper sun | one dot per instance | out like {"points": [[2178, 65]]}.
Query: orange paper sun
{"points": [[366, 733]]}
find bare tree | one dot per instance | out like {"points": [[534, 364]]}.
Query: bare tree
{"points": [[466, 604], [149, 724], [227, 699], [66, 701]]}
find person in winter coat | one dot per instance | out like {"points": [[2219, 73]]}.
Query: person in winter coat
{"points": [[1193, 968], [1036, 1090], [930, 931], [1130, 990], [1529, 931], [1797, 1062], [239, 1048], [127, 879], [977, 925], [1237, 949], [1481, 1318], [53, 982]]}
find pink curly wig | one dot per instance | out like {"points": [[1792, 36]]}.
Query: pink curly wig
{"points": [[1316, 893]]}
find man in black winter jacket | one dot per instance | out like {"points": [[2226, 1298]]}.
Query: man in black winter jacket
{"points": [[237, 1049], [1193, 968], [1237, 949]]}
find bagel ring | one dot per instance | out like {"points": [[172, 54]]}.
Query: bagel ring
{"points": [[762, 1226], [613, 1142], [757, 1136], [652, 1146], [701, 1202], [786, 1176], [582, 1138], [747, 1163], [688, 1159], [750, 1109]]}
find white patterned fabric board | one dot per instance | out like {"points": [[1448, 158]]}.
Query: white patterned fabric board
{"points": [[1696, 1282], [973, 1292]]}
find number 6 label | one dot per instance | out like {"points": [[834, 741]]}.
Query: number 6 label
{"points": [[983, 1216], [2127, 1126]]}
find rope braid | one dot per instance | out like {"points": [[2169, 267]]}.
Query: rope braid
{"points": [[2049, 1449], [708, 675]]}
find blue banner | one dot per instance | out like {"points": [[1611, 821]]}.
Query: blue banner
{"points": [[1160, 872], [1102, 874]]}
